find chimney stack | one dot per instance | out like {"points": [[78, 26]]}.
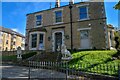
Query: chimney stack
{"points": [[71, 2], [57, 3]]}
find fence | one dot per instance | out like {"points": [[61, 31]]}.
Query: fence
{"points": [[47, 70], [66, 71]]}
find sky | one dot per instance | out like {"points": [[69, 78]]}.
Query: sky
{"points": [[14, 13]]}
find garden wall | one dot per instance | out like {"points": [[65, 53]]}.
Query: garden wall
{"points": [[8, 53]]}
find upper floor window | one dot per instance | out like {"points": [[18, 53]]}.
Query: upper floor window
{"points": [[58, 16], [14, 36], [83, 14], [38, 20]]}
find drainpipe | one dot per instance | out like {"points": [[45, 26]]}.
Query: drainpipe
{"points": [[70, 7]]}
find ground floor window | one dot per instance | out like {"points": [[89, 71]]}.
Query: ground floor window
{"points": [[41, 45], [84, 39], [34, 40], [84, 34], [37, 41]]}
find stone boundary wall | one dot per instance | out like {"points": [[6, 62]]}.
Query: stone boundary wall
{"points": [[5, 53]]}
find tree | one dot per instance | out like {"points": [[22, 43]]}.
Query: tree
{"points": [[117, 40], [117, 6]]}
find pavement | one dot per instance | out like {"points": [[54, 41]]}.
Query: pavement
{"points": [[12, 72]]}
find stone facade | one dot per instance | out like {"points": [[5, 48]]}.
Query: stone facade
{"points": [[111, 36], [94, 25], [10, 40]]}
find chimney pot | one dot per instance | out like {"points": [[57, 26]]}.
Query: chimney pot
{"points": [[57, 3], [71, 1]]}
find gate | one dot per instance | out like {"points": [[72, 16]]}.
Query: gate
{"points": [[63, 71]]}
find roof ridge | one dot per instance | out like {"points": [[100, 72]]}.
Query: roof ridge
{"points": [[10, 31]]}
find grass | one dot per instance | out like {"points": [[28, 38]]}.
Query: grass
{"points": [[100, 62], [95, 61]]}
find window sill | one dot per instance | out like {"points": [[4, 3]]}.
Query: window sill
{"points": [[36, 49], [58, 23], [39, 26], [83, 19], [33, 49], [42, 49]]}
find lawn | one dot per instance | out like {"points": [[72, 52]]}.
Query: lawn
{"points": [[95, 61]]}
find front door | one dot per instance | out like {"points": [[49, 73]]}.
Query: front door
{"points": [[84, 39], [58, 40]]}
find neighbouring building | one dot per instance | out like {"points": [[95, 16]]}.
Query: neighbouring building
{"points": [[10, 40], [111, 36], [47, 29]]}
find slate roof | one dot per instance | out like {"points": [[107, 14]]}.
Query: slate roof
{"points": [[3, 29]]}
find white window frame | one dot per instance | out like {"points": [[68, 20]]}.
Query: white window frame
{"points": [[84, 5], [80, 29], [30, 48], [54, 16], [30, 43], [41, 20]]}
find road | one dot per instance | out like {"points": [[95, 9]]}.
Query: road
{"points": [[18, 72]]}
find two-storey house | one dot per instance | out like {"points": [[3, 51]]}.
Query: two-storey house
{"points": [[47, 29]]}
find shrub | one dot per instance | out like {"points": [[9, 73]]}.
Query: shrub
{"points": [[9, 58]]}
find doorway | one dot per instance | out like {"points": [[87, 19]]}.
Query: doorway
{"points": [[58, 40]]}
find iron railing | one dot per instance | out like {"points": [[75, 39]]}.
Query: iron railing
{"points": [[66, 71]]}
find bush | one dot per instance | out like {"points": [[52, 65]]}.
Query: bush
{"points": [[117, 37], [27, 55], [9, 58]]}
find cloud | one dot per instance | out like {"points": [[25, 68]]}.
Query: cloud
{"points": [[15, 29]]}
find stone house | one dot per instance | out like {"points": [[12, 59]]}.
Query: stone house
{"points": [[111, 36], [10, 40], [47, 29]]}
